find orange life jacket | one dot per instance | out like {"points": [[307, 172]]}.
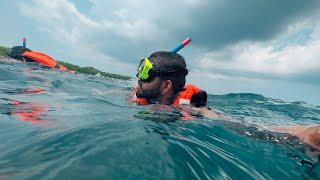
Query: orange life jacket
{"points": [[44, 60], [184, 97]]}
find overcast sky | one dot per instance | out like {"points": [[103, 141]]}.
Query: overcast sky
{"points": [[269, 47]]}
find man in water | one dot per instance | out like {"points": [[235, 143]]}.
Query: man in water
{"points": [[162, 78]]}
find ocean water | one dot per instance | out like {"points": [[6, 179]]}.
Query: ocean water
{"points": [[57, 125]]}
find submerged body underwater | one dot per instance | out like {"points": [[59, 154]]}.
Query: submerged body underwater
{"points": [[59, 125]]}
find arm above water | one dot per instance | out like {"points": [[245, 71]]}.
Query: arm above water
{"points": [[212, 114], [308, 134], [208, 113]]}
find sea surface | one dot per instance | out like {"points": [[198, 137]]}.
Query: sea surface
{"points": [[58, 125]]}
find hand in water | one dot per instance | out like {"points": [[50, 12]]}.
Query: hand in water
{"points": [[308, 134], [205, 112]]}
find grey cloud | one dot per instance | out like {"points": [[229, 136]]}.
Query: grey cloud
{"points": [[219, 23], [211, 24]]}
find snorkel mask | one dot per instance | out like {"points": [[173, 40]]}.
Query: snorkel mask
{"points": [[147, 71]]}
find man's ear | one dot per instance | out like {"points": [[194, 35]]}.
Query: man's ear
{"points": [[166, 86]]}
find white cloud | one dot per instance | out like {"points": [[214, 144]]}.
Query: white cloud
{"points": [[65, 23], [251, 59], [103, 36], [138, 30], [60, 17], [256, 58]]}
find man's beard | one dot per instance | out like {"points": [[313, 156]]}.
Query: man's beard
{"points": [[148, 94]]}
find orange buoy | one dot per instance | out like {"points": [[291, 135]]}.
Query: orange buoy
{"points": [[44, 60]]}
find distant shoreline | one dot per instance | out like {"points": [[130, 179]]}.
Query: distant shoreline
{"points": [[84, 70]]}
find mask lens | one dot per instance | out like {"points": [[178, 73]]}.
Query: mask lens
{"points": [[143, 70]]}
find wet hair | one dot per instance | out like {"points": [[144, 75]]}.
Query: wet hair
{"points": [[173, 67]]}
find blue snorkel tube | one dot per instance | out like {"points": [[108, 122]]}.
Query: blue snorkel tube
{"points": [[182, 45]]}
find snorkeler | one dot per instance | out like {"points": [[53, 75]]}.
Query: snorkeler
{"points": [[26, 55], [162, 79]]}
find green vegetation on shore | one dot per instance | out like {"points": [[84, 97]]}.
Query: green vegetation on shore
{"points": [[4, 51], [93, 71], [85, 70]]}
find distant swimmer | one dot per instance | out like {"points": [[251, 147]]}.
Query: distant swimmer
{"points": [[26, 55]]}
